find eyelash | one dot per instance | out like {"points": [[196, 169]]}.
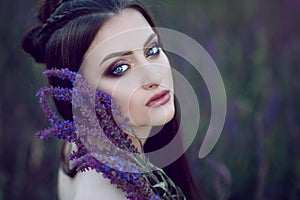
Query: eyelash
{"points": [[155, 48], [117, 65]]}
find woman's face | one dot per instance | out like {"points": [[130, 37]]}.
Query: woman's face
{"points": [[125, 61]]}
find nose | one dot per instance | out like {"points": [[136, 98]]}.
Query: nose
{"points": [[150, 86], [152, 74], [152, 78]]}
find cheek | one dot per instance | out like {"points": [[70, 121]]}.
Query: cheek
{"points": [[141, 115], [137, 111], [128, 96], [130, 102]]}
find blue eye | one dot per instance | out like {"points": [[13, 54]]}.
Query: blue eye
{"points": [[154, 50], [119, 70]]}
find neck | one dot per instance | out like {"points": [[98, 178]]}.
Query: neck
{"points": [[142, 133]]}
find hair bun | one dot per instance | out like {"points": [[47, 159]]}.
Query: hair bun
{"points": [[32, 45], [47, 8]]}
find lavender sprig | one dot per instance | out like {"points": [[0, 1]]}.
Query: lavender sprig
{"points": [[132, 171]]}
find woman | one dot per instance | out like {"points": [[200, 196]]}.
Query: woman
{"points": [[94, 37]]}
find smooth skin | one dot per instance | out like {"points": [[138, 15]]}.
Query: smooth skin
{"points": [[131, 67]]}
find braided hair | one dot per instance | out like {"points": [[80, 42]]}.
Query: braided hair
{"points": [[65, 31]]}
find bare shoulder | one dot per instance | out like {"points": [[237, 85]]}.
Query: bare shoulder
{"points": [[88, 185]]}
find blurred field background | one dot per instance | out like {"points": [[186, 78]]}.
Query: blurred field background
{"points": [[255, 44]]}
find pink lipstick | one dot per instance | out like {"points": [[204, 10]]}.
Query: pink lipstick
{"points": [[159, 99]]}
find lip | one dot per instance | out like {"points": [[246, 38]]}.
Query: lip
{"points": [[159, 99]]}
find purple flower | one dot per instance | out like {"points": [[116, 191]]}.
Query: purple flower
{"points": [[127, 173]]}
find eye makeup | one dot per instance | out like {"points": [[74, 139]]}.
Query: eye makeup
{"points": [[118, 68], [153, 50]]}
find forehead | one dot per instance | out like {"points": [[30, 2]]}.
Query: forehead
{"points": [[126, 31]]}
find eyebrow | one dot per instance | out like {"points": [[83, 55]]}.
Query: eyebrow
{"points": [[125, 53]]}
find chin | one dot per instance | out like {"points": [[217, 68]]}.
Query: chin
{"points": [[152, 116], [161, 116]]}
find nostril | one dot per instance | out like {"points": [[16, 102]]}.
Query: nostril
{"points": [[150, 86], [153, 86]]}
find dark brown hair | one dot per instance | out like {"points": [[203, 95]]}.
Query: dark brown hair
{"points": [[66, 30]]}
